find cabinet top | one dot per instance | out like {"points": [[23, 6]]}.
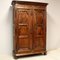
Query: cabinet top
{"points": [[29, 3]]}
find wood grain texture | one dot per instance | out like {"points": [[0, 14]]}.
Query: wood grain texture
{"points": [[29, 19]]}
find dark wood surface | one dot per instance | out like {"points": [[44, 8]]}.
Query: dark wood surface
{"points": [[29, 3], [29, 19]]}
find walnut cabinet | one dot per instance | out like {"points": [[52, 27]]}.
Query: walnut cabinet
{"points": [[29, 21]]}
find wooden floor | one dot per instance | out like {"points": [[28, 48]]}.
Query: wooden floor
{"points": [[51, 55]]}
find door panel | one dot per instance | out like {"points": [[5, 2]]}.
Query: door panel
{"points": [[39, 43], [24, 28], [39, 30]]}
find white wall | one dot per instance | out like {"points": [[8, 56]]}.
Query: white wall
{"points": [[6, 26]]}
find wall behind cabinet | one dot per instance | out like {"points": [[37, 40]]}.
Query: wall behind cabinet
{"points": [[6, 26]]}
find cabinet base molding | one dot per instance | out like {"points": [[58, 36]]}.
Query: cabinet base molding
{"points": [[16, 56]]}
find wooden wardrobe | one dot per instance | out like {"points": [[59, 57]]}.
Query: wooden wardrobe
{"points": [[29, 28]]}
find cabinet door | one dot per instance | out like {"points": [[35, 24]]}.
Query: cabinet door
{"points": [[39, 30], [23, 30]]}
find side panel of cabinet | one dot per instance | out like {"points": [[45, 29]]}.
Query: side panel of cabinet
{"points": [[23, 30]]}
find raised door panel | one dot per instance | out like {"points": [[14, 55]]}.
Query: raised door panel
{"points": [[24, 30], [39, 30]]}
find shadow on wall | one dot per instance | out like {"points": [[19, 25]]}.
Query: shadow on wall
{"points": [[51, 25], [10, 20], [9, 24]]}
